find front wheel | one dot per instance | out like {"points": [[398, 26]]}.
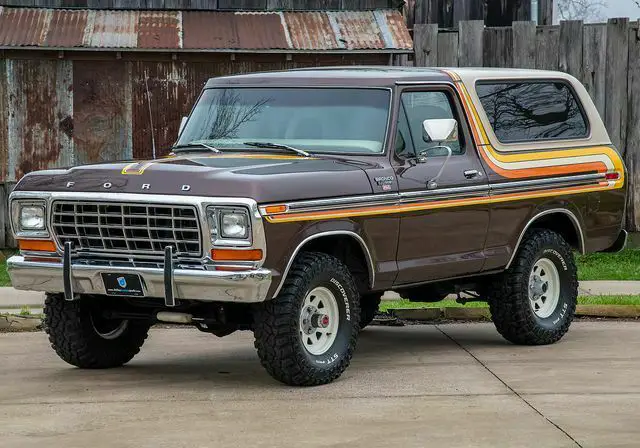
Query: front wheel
{"points": [[534, 301], [306, 336], [83, 337]]}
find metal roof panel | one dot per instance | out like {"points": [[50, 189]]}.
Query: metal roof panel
{"points": [[310, 31], [159, 29], [113, 29]]}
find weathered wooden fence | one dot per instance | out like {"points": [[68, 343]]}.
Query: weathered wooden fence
{"points": [[604, 57]]}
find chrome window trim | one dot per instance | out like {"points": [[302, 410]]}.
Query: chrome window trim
{"points": [[200, 202], [569, 213], [358, 238], [549, 181], [439, 194]]}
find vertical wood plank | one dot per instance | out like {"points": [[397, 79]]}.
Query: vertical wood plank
{"points": [[547, 41], [448, 49], [616, 81], [594, 64], [632, 156], [425, 42], [4, 122], [545, 12], [467, 10], [571, 47], [498, 47], [470, 43], [524, 44]]}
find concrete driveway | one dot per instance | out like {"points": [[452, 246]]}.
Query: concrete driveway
{"points": [[443, 386]]}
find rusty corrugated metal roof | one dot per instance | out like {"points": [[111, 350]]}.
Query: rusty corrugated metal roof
{"points": [[113, 29], [378, 30], [24, 26], [310, 31], [66, 28], [159, 29]]}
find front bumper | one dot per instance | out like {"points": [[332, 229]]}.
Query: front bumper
{"points": [[190, 284]]}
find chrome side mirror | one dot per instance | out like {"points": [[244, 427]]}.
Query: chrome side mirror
{"points": [[440, 130], [183, 122]]}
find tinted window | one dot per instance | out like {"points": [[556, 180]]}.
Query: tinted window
{"points": [[521, 112], [313, 119], [420, 106]]}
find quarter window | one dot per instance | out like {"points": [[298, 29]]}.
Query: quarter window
{"points": [[532, 111], [421, 106]]}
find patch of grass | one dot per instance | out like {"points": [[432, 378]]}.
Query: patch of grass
{"points": [[4, 275], [587, 300], [621, 266], [25, 311]]}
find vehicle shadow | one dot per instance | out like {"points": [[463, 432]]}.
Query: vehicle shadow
{"points": [[237, 365]]}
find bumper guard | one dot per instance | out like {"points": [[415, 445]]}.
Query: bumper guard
{"points": [[64, 276]]}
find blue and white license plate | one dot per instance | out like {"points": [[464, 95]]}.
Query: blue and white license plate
{"points": [[122, 285]]}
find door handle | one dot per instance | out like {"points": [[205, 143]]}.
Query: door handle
{"points": [[472, 174]]}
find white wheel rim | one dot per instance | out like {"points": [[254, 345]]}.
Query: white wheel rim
{"points": [[319, 320], [544, 288]]}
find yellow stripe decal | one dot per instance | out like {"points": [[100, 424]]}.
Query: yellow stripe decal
{"points": [[434, 204]]}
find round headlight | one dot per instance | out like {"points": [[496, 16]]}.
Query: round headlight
{"points": [[234, 225], [32, 217]]}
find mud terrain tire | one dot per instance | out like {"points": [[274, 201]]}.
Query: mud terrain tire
{"points": [[517, 315], [73, 332], [283, 347]]}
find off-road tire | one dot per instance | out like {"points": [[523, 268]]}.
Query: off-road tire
{"points": [[509, 302], [369, 306], [277, 326], [73, 336]]}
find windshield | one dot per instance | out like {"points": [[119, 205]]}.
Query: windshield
{"points": [[311, 119]]}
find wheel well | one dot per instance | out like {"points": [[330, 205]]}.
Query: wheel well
{"points": [[563, 225], [347, 249]]}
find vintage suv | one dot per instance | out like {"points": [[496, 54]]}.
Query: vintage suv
{"points": [[293, 199]]}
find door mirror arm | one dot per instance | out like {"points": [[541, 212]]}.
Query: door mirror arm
{"points": [[432, 183]]}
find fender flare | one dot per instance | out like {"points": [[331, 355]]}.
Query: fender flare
{"points": [[354, 235], [568, 213]]}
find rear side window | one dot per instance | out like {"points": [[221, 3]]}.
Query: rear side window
{"points": [[532, 111]]}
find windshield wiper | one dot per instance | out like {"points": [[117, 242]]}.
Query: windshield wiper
{"points": [[270, 145], [190, 146]]}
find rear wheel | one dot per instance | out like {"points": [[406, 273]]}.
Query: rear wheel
{"points": [[83, 337], [306, 336], [534, 301]]}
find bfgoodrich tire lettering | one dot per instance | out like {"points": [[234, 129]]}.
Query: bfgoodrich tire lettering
{"points": [[515, 316], [278, 336], [79, 340]]}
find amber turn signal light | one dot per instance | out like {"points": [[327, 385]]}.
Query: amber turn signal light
{"points": [[275, 209], [37, 245], [236, 255]]}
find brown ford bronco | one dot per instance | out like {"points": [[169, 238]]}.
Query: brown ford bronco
{"points": [[292, 200]]}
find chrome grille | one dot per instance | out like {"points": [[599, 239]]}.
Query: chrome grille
{"points": [[129, 229]]}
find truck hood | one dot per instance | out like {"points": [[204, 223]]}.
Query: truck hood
{"points": [[263, 177]]}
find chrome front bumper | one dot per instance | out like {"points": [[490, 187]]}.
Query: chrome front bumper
{"points": [[189, 284]]}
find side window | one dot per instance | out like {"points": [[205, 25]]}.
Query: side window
{"points": [[420, 106], [532, 111]]}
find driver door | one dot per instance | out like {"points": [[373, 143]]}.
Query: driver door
{"points": [[443, 231]]}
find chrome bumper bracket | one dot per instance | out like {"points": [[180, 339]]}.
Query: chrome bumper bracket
{"points": [[169, 286], [66, 272]]}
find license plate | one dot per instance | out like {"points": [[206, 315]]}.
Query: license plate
{"points": [[123, 284]]}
